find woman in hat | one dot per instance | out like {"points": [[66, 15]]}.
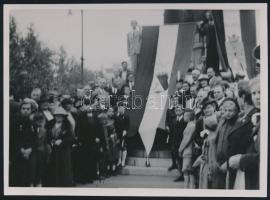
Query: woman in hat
{"points": [[206, 127], [203, 81], [60, 139]]}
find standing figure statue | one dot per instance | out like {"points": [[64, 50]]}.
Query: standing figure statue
{"points": [[134, 40]]}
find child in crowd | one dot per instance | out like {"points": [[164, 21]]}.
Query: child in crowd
{"points": [[186, 148], [43, 149], [121, 128]]}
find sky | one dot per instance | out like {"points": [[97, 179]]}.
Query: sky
{"points": [[104, 31]]}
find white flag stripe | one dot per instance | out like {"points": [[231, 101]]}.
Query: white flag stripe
{"points": [[232, 22], [234, 44], [155, 105]]}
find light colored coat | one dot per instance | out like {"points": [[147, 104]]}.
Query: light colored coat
{"points": [[134, 40], [186, 146]]}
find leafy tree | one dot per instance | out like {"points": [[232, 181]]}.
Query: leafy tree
{"points": [[30, 62]]}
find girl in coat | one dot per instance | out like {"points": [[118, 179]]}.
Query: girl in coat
{"points": [[113, 149], [60, 139], [43, 150], [186, 148]]}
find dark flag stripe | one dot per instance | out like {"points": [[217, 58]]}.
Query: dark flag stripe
{"points": [[144, 74], [248, 32]]}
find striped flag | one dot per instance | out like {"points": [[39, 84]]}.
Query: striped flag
{"points": [[165, 50]]}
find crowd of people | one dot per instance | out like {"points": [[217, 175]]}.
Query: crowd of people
{"points": [[213, 127], [58, 140]]}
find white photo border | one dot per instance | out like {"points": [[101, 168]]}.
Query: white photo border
{"points": [[263, 41]]}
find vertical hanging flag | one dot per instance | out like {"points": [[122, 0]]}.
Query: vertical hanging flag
{"points": [[158, 93], [165, 54], [234, 44]]}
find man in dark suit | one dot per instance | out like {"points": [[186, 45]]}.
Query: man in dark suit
{"points": [[87, 129], [176, 135], [131, 81], [249, 161], [225, 128], [114, 94], [125, 71]]}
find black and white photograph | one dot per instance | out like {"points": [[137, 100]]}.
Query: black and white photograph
{"points": [[136, 100]]}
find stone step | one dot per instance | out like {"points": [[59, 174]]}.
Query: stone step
{"points": [[153, 154], [133, 181], [149, 171], [155, 162]]}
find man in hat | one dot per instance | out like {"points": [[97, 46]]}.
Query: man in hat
{"points": [[23, 143], [203, 80], [134, 40]]}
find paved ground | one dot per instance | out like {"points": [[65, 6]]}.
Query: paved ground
{"points": [[130, 181]]}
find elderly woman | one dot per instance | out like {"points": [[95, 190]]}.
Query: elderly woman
{"points": [[60, 139]]}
